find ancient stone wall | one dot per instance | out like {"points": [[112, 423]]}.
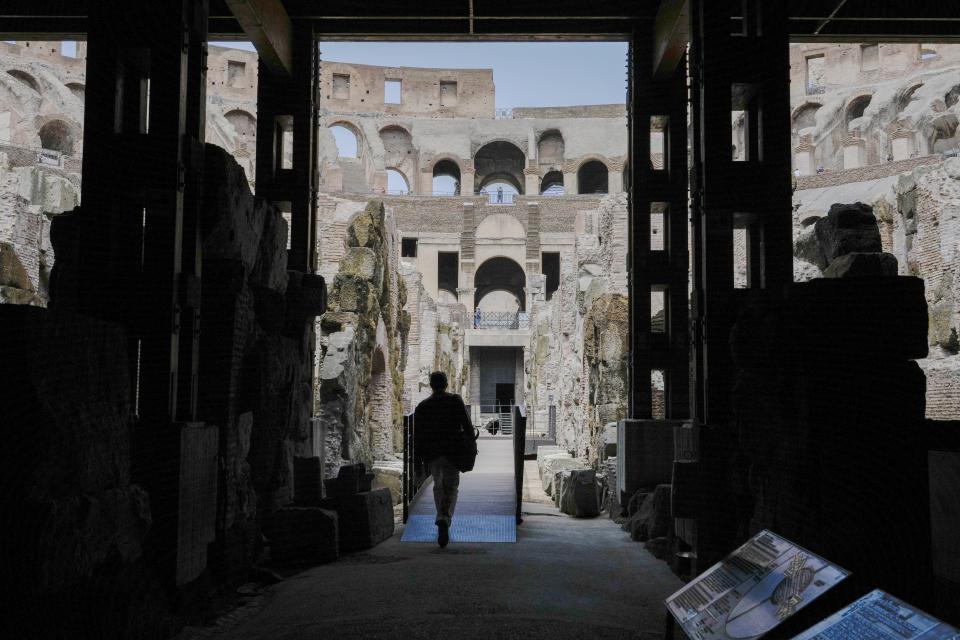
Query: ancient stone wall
{"points": [[917, 214], [359, 389], [576, 360]]}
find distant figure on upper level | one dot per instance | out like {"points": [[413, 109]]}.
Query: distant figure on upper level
{"points": [[499, 195]]}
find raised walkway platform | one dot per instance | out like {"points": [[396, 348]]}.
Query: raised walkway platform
{"points": [[486, 506]]}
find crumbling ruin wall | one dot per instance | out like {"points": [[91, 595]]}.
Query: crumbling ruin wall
{"points": [[918, 215], [29, 198], [577, 356], [256, 357], [362, 335], [926, 238]]}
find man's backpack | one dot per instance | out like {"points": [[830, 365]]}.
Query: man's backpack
{"points": [[466, 458]]}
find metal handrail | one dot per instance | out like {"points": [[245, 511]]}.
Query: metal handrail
{"points": [[501, 320], [414, 475]]}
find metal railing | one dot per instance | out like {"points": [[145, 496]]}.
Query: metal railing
{"points": [[501, 320], [414, 474]]}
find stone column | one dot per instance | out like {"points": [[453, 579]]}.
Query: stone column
{"points": [[467, 176], [853, 153], [904, 144], [803, 156], [531, 179], [569, 178], [426, 182]]}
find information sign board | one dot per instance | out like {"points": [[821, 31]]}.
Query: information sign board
{"points": [[752, 590], [880, 616]]}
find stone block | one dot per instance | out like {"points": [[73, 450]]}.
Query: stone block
{"points": [[306, 298], [860, 265], [579, 493], [231, 224], [350, 479], [389, 475], [308, 480], [886, 316], [12, 272], [552, 466], [848, 228], [66, 402], [366, 519], [653, 519], [302, 534], [270, 268]]}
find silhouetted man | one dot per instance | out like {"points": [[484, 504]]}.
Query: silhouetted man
{"points": [[441, 425], [499, 194]]}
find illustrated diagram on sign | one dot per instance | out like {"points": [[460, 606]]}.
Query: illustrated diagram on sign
{"points": [[752, 590]]}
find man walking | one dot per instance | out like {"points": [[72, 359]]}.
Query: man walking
{"points": [[441, 424]]}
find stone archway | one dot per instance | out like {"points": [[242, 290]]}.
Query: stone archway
{"points": [[500, 274]]}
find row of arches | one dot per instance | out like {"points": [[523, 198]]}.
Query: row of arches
{"points": [[498, 166]]}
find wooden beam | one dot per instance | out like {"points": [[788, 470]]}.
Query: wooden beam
{"points": [[267, 25], [671, 33]]}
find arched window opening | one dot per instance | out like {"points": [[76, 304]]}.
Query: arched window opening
{"points": [[806, 116], [500, 275], [593, 178], [446, 178], [856, 109], [499, 161], [550, 148], [26, 79], [952, 97], [347, 141], [907, 97], [499, 190], [396, 141], [78, 90], [944, 135], [57, 136], [397, 183], [927, 53], [243, 123], [552, 184]]}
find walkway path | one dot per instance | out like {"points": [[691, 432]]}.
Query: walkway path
{"points": [[564, 579], [486, 505]]}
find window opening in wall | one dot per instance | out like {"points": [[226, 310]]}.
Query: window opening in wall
{"points": [[738, 17], [341, 86], [346, 141], [816, 67], [745, 123], [869, 120], [286, 212], [658, 391], [658, 309], [869, 57], [448, 94], [550, 264], [741, 258], [448, 269], [236, 72], [392, 91], [552, 184], [284, 142], [446, 178], [593, 177], [659, 130], [68, 49], [396, 183], [927, 52], [235, 97], [500, 191], [658, 226], [408, 248]]}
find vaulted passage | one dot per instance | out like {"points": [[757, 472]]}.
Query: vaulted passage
{"points": [[696, 309]]}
